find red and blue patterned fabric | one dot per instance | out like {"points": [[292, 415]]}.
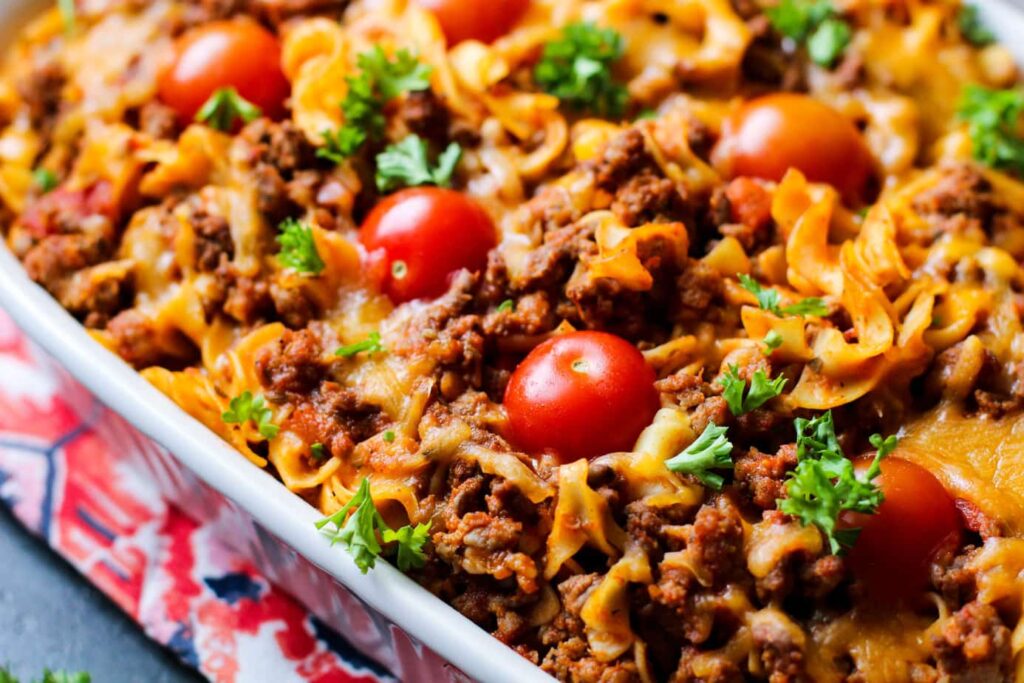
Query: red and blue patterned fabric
{"points": [[61, 476]]}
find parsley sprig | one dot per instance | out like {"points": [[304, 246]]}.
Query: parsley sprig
{"points": [[44, 179], [379, 81], [972, 28], [742, 399], [710, 451], [407, 164], [768, 299], [246, 407], [825, 483], [815, 24], [48, 676], [371, 345], [772, 341], [993, 121], [298, 248], [359, 531], [577, 69], [226, 106]]}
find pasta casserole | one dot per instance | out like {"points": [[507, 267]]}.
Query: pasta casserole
{"points": [[666, 340]]}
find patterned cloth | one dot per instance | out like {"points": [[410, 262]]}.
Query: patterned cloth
{"points": [[61, 476]]}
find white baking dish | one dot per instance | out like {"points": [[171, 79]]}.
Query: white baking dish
{"points": [[259, 516]]}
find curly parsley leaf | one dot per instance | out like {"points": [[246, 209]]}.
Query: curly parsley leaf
{"points": [[359, 531], [379, 81], [371, 344], [318, 452], [993, 121], [246, 407], [768, 300], [506, 306], [407, 164], [710, 451], [972, 28], [298, 248], [65, 677], [742, 399], [815, 23], [577, 69], [226, 106], [44, 179], [825, 483], [772, 341]]}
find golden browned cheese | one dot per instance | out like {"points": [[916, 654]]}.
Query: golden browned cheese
{"points": [[895, 282]]}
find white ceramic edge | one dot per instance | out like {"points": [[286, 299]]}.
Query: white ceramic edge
{"points": [[407, 604]]}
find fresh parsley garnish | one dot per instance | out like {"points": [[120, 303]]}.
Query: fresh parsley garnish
{"points": [[825, 483], [993, 117], [577, 69], [772, 341], [246, 407], [814, 23], [389, 436], [298, 248], [972, 28], [44, 179], [710, 451], [49, 676], [318, 452], [741, 399], [371, 345], [768, 300], [406, 164], [68, 15], [226, 106], [379, 81], [358, 532], [506, 306]]}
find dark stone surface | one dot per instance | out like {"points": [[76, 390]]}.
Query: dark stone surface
{"points": [[51, 617]]}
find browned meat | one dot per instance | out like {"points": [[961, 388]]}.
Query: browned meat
{"points": [[158, 120], [974, 645], [650, 198], [293, 365], [762, 476], [425, 115], [41, 90], [213, 242]]}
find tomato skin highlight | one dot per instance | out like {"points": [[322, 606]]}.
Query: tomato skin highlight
{"points": [[416, 239], [768, 135], [581, 395], [915, 523], [475, 20], [237, 53]]}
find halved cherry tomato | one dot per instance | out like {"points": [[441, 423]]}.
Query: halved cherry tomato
{"points": [[238, 53], [769, 135], [475, 20], [581, 395], [896, 545], [418, 238]]}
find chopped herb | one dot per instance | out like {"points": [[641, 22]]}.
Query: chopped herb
{"points": [[389, 436], [406, 164], [647, 114], [246, 407], [772, 341], [768, 300], [298, 248], [972, 28], [226, 106], [318, 452], [993, 119], [506, 306], [68, 12], [379, 81], [369, 345], [44, 179], [825, 483], [577, 69], [711, 451], [815, 23], [740, 399], [358, 532], [49, 676]]}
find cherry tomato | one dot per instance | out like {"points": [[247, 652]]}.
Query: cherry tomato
{"points": [[238, 53], [474, 20], [418, 238], [581, 395], [896, 545], [769, 135]]}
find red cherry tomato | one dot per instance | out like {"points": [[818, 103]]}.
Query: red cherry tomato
{"points": [[769, 135], [896, 545], [581, 395], [475, 20], [418, 238], [238, 53]]}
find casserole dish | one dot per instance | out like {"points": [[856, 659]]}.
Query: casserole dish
{"points": [[205, 473]]}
